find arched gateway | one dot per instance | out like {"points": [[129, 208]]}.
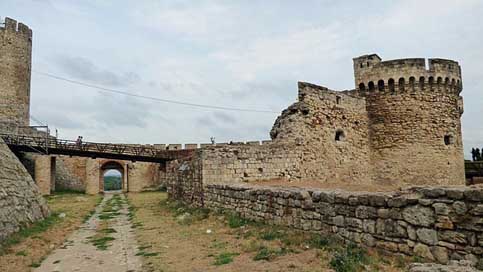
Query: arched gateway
{"points": [[108, 167]]}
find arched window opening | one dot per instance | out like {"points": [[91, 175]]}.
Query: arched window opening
{"points": [[421, 83], [448, 139], [431, 82], [362, 87], [380, 85], [371, 86], [446, 83], [338, 99], [453, 83], [339, 135], [439, 82], [368, 64], [412, 81], [362, 65], [390, 83], [112, 180], [401, 84]]}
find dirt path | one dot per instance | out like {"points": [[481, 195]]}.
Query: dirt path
{"points": [[105, 242]]}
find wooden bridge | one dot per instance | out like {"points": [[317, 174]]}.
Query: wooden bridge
{"points": [[49, 145]]}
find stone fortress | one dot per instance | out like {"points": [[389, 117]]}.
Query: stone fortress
{"points": [[400, 126]]}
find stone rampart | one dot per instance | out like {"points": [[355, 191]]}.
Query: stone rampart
{"points": [[436, 223], [20, 201]]}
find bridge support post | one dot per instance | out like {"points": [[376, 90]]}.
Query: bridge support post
{"points": [[45, 173], [92, 176]]}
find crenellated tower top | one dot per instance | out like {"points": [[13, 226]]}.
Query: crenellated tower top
{"points": [[11, 26], [373, 74]]}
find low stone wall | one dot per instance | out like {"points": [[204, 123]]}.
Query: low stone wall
{"points": [[438, 224]]}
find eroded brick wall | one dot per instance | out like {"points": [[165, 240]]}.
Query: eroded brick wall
{"points": [[435, 223]]}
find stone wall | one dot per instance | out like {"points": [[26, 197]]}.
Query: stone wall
{"points": [[242, 163], [20, 201], [15, 68], [330, 131], [85, 174], [183, 180], [70, 174], [435, 223]]}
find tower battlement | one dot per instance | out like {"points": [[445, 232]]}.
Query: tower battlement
{"points": [[12, 26], [411, 74]]}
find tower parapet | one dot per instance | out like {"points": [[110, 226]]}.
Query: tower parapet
{"points": [[15, 72], [414, 112], [374, 75]]}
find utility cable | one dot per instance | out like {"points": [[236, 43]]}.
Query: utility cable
{"points": [[149, 97]]}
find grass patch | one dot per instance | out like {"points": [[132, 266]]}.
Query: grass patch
{"points": [[102, 243], [21, 253], [272, 234], [178, 208], [34, 229], [224, 258], [108, 216], [108, 230], [68, 192], [349, 259], [235, 221]]}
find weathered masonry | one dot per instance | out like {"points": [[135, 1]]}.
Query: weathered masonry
{"points": [[400, 126]]}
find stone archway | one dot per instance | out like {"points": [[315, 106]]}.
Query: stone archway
{"points": [[112, 165]]}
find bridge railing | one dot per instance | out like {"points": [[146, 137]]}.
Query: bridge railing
{"points": [[49, 144]]}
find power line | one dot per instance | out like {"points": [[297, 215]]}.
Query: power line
{"points": [[149, 97]]}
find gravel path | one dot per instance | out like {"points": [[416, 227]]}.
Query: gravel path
{"points": [[79, 254]]}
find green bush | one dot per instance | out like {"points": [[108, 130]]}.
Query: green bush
{"points": [[235, 221], [224, 258], [349, 259]]}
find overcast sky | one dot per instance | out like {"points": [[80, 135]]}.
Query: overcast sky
{"points": [[247, 54]]}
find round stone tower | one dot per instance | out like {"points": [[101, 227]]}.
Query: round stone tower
{"points": [[414, 112], [15, 70]]}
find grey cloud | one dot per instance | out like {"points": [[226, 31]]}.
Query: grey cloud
{"points": [[118, 111], [224, 117], [84, 69]]}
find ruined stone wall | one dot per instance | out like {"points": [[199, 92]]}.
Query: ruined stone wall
{"points": [[21, 203], [184, 180], [435, 223], [330, 130], [15, 70], [414, 119]]}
